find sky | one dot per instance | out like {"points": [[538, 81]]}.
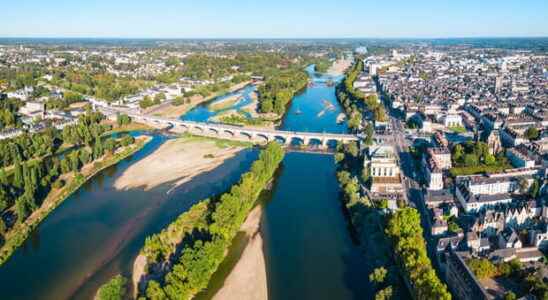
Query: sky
{"points": [[273, 19]]}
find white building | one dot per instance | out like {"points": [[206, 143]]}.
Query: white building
{"points": [[520, 159], [384, 169], [33, 109], [478, 191], [433, 174], [452, 120]]}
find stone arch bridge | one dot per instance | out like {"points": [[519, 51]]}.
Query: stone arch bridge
{"points": [[250, 134]]}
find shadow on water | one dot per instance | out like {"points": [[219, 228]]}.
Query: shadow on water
{"points": [[97, 232], [309, 253], [164, 211], [236, 249]]}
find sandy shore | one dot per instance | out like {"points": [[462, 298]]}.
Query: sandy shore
{"points": [[225, 103], [339, 66], [175, 111], [176, 161], [247, 280]]}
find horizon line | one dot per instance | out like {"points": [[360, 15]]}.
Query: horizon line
{"points": [[278, 38]]}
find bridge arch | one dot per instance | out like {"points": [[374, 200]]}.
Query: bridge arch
{"points": [[213, 130], [281, 139], [331, 143], [245, 134], [297, 141], [315, 141], [228, 132], [262, 137]]}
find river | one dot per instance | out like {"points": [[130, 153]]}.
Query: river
{"points": [[98, 231], [308, 249]]}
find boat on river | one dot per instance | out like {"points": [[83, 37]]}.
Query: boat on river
{"points": [[341, 118]]}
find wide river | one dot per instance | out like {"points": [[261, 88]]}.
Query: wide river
{"points": [[98, 231]]}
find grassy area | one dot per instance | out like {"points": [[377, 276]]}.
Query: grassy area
{"points": [[458, 171], [457, 129], [19, 233], [241, 120], [133, 126], [221, 143]]}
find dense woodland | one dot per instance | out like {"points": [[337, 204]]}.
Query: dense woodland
{"points": [[33, 164], [279, 89], [405, 230], [194, 245], [8, 113], [101, 85], [115, 289]]}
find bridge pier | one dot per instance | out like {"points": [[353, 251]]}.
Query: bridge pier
{"points": [[323, 143], [253, 134]]}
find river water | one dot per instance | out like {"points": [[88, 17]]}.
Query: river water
{"points": [[98, 231], [308, 250]]}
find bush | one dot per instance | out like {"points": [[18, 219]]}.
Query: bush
{"points": [[207, 230], [58, 184], [115, 289], [123, 119], [482, 268]]}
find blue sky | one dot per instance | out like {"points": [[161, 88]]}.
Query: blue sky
{"points": [[273, 19]]}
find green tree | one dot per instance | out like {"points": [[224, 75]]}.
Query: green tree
{"points": [[21, 209], [534, 189], [339, 156], [378, 275], [482, 268], [146, 102], [458, 153], [352, 149], [470, 160], [115, 289], [532, 133], [405, 230], [384, 294], [2, 227], [158, 98], [127, 140], [490, 159], [123, 119], [18, 175], [369, 132], [383, 204], [154, 291]]}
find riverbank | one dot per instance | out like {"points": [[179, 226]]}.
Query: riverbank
{"points": [[183, 257], [176, 161], [225, 103], [339, 67], [175, 111], [248, 116], [247, 280], [74, 181]]}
